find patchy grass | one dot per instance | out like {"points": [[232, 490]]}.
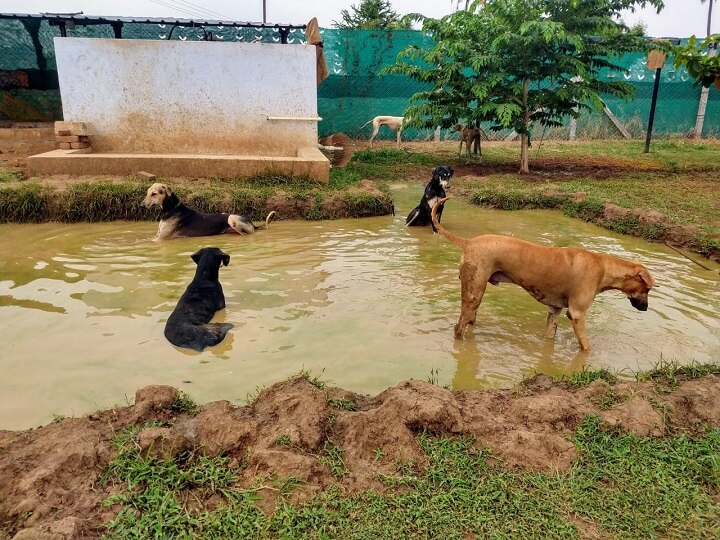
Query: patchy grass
{"points": [[681, 200], [342, 404], [185, 404], [314, 380], [95, 201], [586, 376], [667, 375], [393, 156], [10, 175], [621, 486], [332, 456], [671, 155]]}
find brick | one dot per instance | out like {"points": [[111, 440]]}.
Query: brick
{"points": [[149, 176], [75, 128], [65, 146], [64, 132], [67, 138], [80, 145]]}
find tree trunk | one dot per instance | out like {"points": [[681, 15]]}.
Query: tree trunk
{"points": [[700, 116], [709, 19], [702, 104], [524, 165]]}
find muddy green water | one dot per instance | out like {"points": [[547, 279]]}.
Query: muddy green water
{"points": [[363, 303]]}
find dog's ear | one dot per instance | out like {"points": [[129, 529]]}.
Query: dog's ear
{"points": [[644, 274], [435, 172], [452, 171], [196, 256], [225, 259]]}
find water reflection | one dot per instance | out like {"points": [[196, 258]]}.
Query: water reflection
{"points": [[366, 302]]}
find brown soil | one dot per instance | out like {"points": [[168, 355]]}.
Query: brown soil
{"points": [[50, 477], [553, 168]]}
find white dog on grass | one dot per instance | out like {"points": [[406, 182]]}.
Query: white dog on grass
{"points": [[395, 123]]}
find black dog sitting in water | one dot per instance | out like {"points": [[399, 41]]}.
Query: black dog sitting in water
{"points": [[189, 324], [434, 191]]}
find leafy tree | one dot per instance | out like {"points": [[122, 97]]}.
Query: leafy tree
{"points": [[519, 62], [701, 61], [372, 15]]}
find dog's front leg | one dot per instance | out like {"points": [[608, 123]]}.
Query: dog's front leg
{"points": [[579, 326], [552, 321], [472, 289]]}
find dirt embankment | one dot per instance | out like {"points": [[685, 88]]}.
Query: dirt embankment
{"points": [[50, 477]]}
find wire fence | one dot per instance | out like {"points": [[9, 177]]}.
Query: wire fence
{"points": [[355, 91]]}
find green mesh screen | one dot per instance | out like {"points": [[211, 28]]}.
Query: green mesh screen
{"points": [[353, 93]]}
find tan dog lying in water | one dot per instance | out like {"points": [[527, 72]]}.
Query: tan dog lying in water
{"points": [[557, 277], [177, 220]]}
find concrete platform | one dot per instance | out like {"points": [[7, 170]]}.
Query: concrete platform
{"points": [[309, 162]]}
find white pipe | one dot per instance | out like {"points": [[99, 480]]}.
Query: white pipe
{"points": [[298, 118]]}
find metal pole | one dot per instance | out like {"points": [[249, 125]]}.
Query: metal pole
{"points": [[652, 110], [264, 11]]}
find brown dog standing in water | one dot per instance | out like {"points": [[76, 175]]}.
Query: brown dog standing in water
{"points": [[557, 277]]}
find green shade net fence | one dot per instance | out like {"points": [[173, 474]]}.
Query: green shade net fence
{"points": [[354, 92]]}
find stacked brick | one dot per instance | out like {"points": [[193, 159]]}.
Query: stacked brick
{"points": [[72, 136]]}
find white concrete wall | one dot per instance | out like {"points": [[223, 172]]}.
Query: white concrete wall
{"points": [[153, 96]]}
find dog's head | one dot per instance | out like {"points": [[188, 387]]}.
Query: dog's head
{"points": [[636, 286], [211, 256], [443, 174], [156, 194]]}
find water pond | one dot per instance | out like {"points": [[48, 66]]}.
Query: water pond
{"points": [[362, 303]]}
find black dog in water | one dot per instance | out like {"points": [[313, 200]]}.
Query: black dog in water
{"points": [[189, 324], [434, 191]]}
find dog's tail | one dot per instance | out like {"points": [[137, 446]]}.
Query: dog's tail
{"points": [[366, 123], [413, 218], [268, 219], [454, 238], [214, 334]]}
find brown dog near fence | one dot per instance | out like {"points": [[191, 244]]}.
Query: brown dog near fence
{"points": [[557, 277], [469, 136]]}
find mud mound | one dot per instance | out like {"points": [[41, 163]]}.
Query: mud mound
{"points": [[50, 477]]}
